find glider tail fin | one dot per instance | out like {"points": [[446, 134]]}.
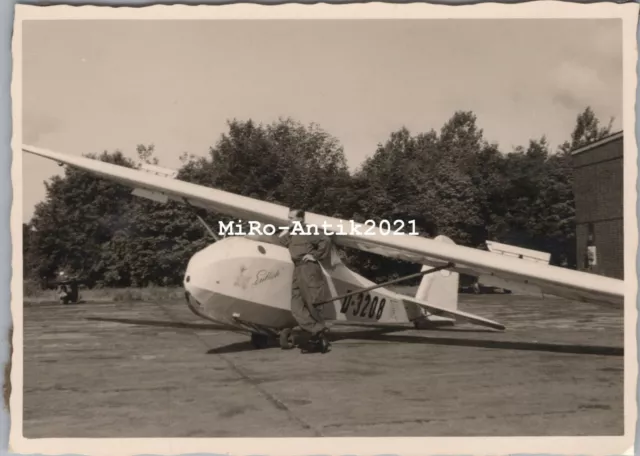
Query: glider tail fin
{"points": [[439, 288]]}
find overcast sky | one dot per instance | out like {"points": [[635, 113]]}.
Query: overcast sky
{"points": [[91, 86]]}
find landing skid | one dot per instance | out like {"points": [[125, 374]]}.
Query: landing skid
{"points": [[261, 337], [319, 345], [287, 342], [285, 339]]}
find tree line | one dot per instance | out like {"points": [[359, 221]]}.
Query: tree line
{"points": [[452, 182]]}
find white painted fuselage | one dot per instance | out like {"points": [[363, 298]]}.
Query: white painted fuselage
{"points": [[245, 283]]}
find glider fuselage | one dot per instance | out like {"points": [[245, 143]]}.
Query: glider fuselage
{"points": [[246, 284]]}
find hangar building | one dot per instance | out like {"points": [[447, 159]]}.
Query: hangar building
{"points": [[598, 189]]}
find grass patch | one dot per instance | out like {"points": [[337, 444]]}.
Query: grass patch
{"points": [[34, 294]]}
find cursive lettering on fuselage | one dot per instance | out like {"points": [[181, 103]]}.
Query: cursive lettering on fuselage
{"points": [[263, 276]]}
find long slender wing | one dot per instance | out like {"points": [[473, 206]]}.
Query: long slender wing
{"points": [[551, 280], [227, 203], [548, 279]]}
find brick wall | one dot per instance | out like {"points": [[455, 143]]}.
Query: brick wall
{"points": [[598, 190], [609, 242]]}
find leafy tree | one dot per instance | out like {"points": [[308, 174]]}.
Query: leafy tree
{"points": [[155, 244], [441, 181], [587, 130], [80, 214], [388, 186], [284, 162]]}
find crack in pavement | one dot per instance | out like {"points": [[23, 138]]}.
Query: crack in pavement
{"points": [[277, 403]]}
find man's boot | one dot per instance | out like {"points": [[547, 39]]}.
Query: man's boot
{"points": [[325, 345], [319, 343]]}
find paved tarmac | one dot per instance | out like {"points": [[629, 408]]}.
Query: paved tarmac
{"points": [[142, 369]]}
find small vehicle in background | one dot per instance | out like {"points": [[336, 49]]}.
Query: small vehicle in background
{"points": [[478, 288], [485, 284], [67, 288]]}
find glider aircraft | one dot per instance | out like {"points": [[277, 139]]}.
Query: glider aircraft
{"points": [[244, 282]]}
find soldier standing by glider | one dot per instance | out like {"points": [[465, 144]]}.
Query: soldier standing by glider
{"points": [[308, 252]]}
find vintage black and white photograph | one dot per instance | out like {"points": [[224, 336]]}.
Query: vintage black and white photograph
{"points": [[296, 226]]}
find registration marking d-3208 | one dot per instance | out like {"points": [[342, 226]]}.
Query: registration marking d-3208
{"points": [[363, 305]]}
